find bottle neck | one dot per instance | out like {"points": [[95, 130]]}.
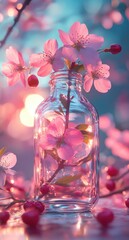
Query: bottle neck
{"points": [[64, 81]]}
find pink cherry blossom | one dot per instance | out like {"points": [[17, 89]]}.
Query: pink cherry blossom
{"points": [[65, 141], [7, 161], [15, 68], [79, 44], [118, 142], [48, 60], [97, 75]]}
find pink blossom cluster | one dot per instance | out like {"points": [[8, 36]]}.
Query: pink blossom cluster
{"points": [[79, 48], [116, 140]]}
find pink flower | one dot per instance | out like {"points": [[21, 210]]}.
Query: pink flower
{"points": [[7, 161], [48, 60], [118, 142], [14, 70], [64, 141], [97, 75], [79, 44]]}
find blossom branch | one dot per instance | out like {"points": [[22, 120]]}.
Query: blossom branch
{"points": [[16, 19], [60, 166], [68, 97], [115, 192], [68, 105], [7, 206], [121, 176]]}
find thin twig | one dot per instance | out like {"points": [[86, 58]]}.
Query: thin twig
{"points": [[8, 205], [68, 105], [68, 96], [120, 176], [60, 166], [115, 192], [16, 19]]}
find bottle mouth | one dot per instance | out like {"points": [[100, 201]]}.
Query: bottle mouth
{"points": [[65, 75]]}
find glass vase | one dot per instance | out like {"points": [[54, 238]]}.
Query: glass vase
{"points": [[66, 139]]}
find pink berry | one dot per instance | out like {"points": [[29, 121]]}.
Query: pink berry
{"points": [[112, 171], [33, 81], [110, 185], [31, 217], [34, 204], [105, 217], [39, 206], [45, 189], [127, 202], [28, 204], [115, 48], [4, 217]]}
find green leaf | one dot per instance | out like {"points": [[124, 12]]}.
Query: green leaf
{"points": [[86, 134], [67, 179], [63, 100], [2, 151], [82, 127]]}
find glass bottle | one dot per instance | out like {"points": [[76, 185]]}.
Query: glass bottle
{"points": [[66, 147]]}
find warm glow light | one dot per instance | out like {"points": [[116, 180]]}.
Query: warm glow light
{"points": [[90, 142], [12, 181], [11, 12], [13, 1], [19, 6], [26, 119], [37, 170], [31, 103], [89, 128], [27, 113]]}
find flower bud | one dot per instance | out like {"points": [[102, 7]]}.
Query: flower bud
{"points": [[114, 49]]}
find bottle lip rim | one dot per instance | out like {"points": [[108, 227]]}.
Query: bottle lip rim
{"points": [[64, 73]]}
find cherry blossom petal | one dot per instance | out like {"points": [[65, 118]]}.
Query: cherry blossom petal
{"points": [[14, 56], [88, 83], [36, 60], [58, 63], [22, 77], [8, 69], [102, 85], [103, 71], [2, 177], [65, 151], [78, 32], [89, 56], [47, 142], [13, 80], [45, 70], [73, 137], [65, 37], [70, 53], [8, 160], [94, 41], [89, 68], [56, 127], [51, 46]]}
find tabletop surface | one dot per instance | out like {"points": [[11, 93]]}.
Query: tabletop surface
{"points": [[71, 226]]}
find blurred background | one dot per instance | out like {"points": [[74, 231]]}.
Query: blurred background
{"points": [[40, 21]]}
